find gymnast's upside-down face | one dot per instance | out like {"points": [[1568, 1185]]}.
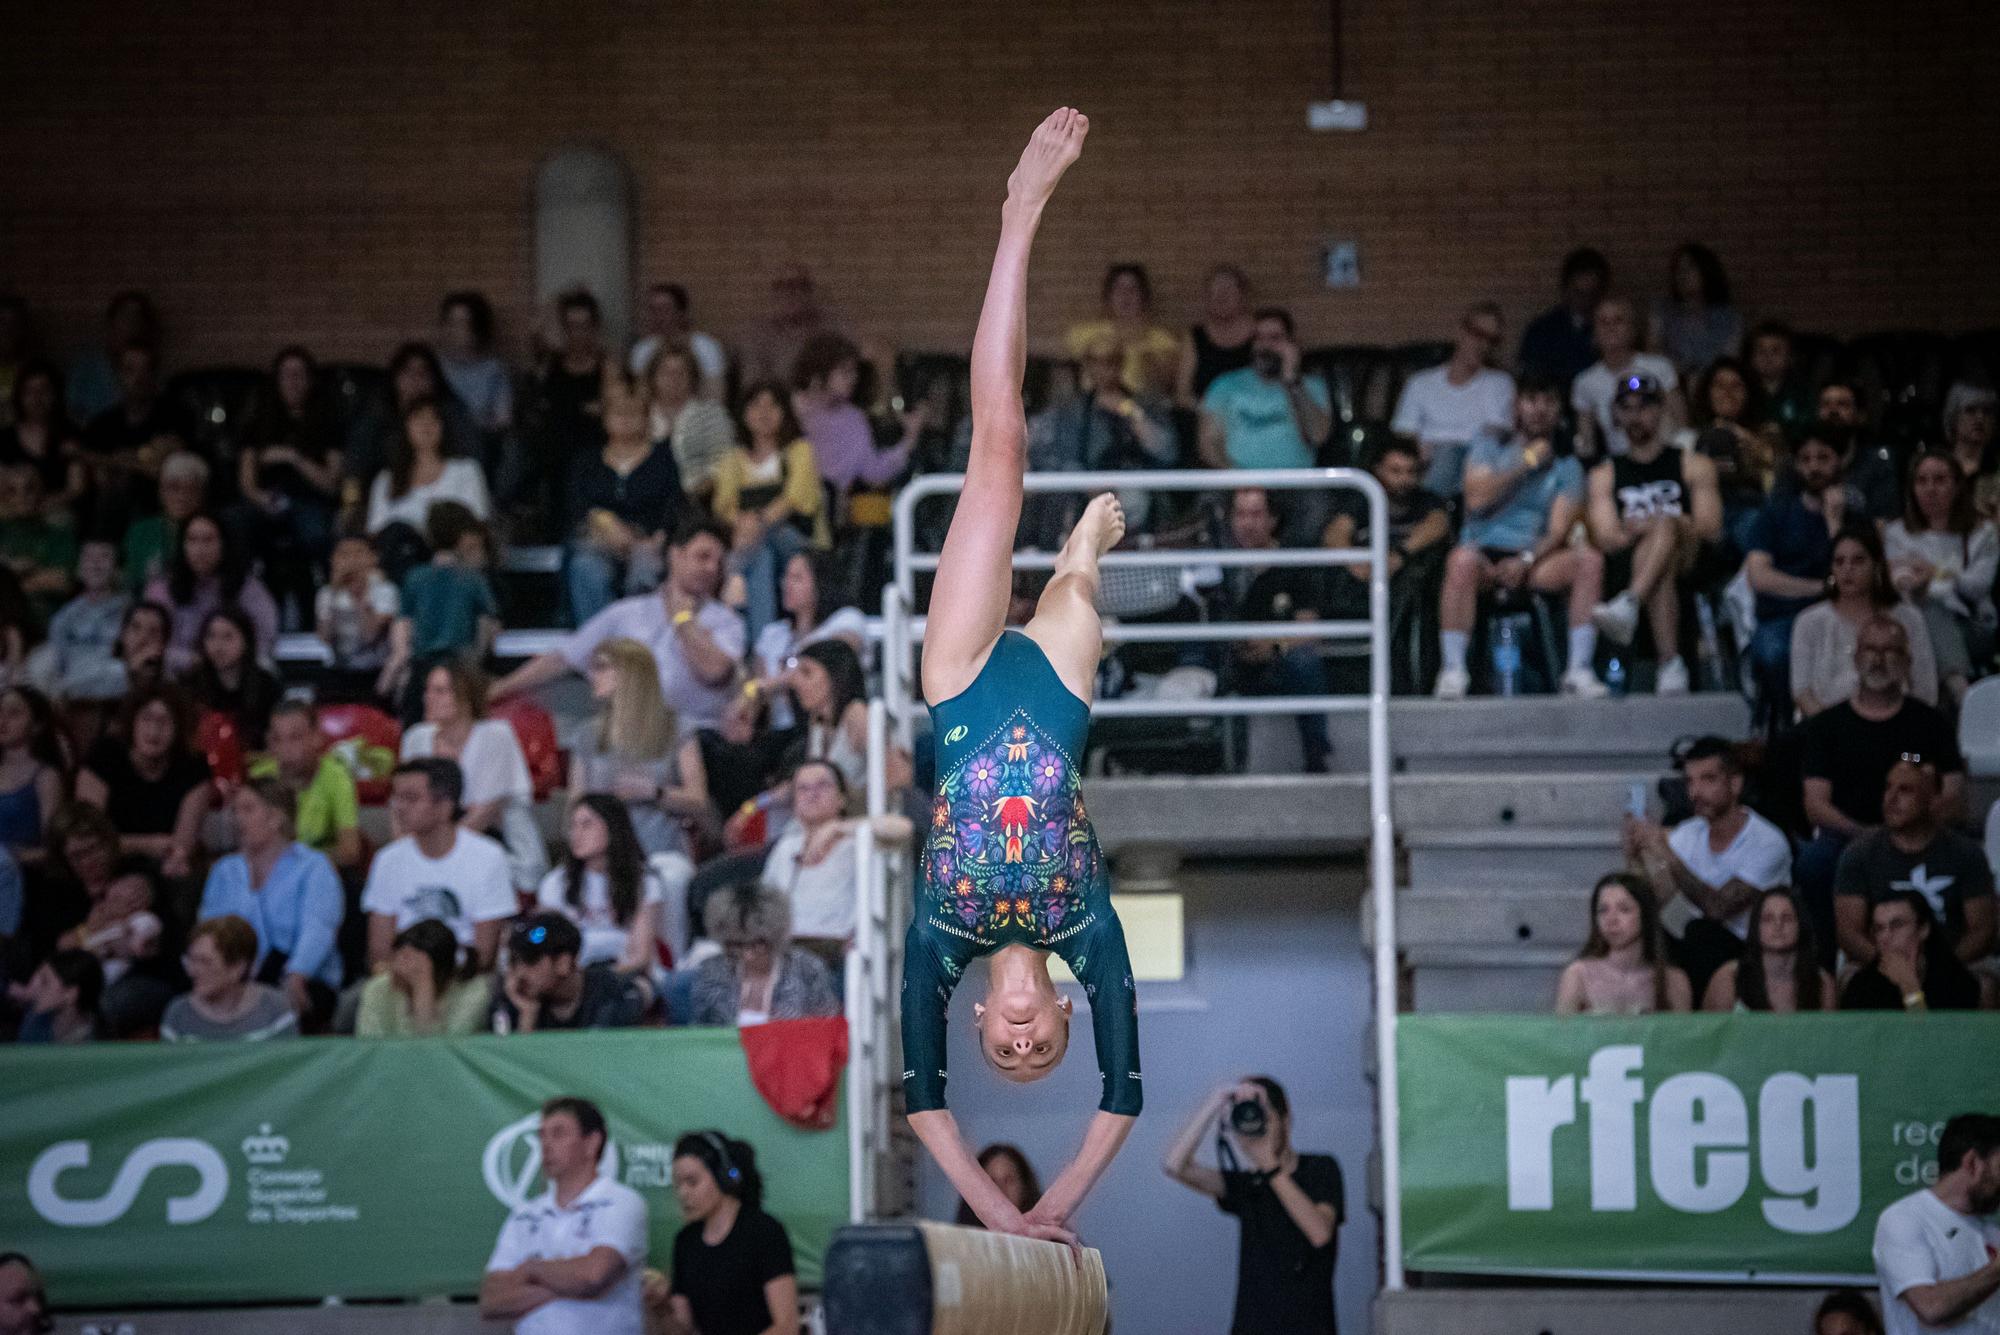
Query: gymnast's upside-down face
{"points": [[1024, 1037]]}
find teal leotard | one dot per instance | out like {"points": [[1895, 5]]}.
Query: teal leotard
{"points": [[1010, 858]]}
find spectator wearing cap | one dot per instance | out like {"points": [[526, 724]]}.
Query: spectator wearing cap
{"points": [[1524, 492], [545, 988], [437, 869], [1651, 509], [1594, 394], [226, 1003], [760, 975], [1913, 849], [1445, 408], [1789, 560], [1912, 968], [1559, 344]]}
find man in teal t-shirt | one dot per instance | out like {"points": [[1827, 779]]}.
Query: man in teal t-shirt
{"points": [[1266, 415]]}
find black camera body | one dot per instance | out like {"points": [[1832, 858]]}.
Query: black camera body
{"points": [[1249, 1118]]}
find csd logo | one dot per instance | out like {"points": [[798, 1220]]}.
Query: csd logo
{"points": [[513, 1160], [955, 736], [174, 1152]]}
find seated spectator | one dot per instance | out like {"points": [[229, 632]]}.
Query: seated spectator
{"points": [[1522, 501], [634, 755], [606, 887], [329, 815], [1150, 353], [477, 377], [23, 1302], [41, 435], [1267, 415], [209, 573], [624, 499], [760, 975], [1722, 858], [1623, 969], [499, 795], [290, 896], [1220, 341], [1778, 967], [1560, 344], [768, 495], [1109, 425], [1912, 969], [436, 869], [571, 1259], [142, 649], [665, 308], [732, 1264], [1277, 593], [60, 999], [695, 640], [570, 393], [1868, 465], [355, 614], [227, 679], [1790, 558], [448, 613], [141, 967], [1913, 849], [1846, 1312], [34, 771], [831, 692], [770, 347], [683, 413], [1847, 753], [226, 1002], [1937, 1250], [1824, 635], [414, 376], [742, 757], [1728, 428], [1013, 1174], [40, 550], [825, 380], [810, 611], [814, 863], [148, 778], [79, 661], [123, 446], [546, 987], [1446, 408], [289, 474], [1594, 394], [423, 992], [1969, 417], [1695, 324], [93, 376], [150, 543], [1651, 509], [1785, 392], [1943, 558], [420, 474]]}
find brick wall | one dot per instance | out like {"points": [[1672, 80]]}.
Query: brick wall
{"points": [[325, 171]]}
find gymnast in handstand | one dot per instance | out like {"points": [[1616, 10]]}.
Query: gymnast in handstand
{"points": [[1012, 868]]}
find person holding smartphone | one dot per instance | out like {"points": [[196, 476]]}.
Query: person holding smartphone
{"points": [[1290, 1205]]}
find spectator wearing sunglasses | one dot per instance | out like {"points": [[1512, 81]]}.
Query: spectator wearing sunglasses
{"points": [[1448, 407]]}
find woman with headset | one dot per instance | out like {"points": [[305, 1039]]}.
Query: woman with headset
{"points": [[732, 1267]]}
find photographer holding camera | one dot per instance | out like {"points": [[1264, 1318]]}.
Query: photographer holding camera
{"points": [[1289, 1205]]}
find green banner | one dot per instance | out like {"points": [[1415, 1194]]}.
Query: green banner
{"points": [[1727, 1147], [143, 1173]]}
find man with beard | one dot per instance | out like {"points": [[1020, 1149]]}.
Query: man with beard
{"points": [[1937, 1254], [1790, 556]]}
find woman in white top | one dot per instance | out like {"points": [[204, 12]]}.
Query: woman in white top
{"points": [[1942, 557], [605, 887], [826, 682], [499, 795], [1622, 969], [1823, 637], [419, 474], [808, 615], [813, 862]]}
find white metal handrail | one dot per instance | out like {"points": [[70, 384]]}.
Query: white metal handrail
{"points": [[902, 631]]}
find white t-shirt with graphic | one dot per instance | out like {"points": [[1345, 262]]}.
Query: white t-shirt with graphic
{"points": [[605, 1214], [1759, 856], [467, 886], [1921, 1240]]}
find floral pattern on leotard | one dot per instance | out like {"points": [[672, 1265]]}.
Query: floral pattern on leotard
{"points": [[1010, 847]]}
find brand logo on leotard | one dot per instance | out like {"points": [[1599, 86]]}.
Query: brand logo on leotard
{"points": [[955, 736]]}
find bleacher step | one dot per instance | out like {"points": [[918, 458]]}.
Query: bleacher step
{"points": [[1497, 927], [1543, 858]]}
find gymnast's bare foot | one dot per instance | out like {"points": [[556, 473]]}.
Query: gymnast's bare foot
{"points": [[1057, 142], [1100, 529]]}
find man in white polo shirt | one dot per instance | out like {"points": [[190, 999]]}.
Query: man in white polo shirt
{"points": [[1937, 1254], [570, 1261]]}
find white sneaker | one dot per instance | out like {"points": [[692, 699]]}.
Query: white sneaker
{"points": [[1452, 684], [1673, 678], [1583, 683], [1617, 620]]}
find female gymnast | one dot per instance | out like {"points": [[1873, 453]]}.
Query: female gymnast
{"points": [[1012, 869]]}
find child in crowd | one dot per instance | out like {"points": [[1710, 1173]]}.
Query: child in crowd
{"points": [[448, 613], [80, 659], [355, 613]]}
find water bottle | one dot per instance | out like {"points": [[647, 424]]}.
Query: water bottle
{"points": [[1506, 658], [1614, 677]]}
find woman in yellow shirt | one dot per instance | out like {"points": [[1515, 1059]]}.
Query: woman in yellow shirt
{"points": [[768, 493], [1152, 353]]}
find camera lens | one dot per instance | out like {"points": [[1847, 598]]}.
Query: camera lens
{"points": [[1246, 1117]]}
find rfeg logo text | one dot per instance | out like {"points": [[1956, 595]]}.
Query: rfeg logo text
{"points": [[1701, 1153]]}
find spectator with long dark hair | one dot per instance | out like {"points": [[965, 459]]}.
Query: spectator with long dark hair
{"points": [[34, 771], [228, 680], [732, 1264], [289, 475], [1942, 558], [831, 692], [810, 611], [623, 501], [1696, 323], [61, 998], [142, 647], [768, 494], [1729, 428], [209, 572], [1846, 1312], [1914, 968], [425, 990], [422, 472], [414, 373], [606, 888], [41, 435], [1220, 340], [148, 778], [1013, 1174], [1622, 968], [1825, 635], [478, 378], [825, 381], [1779, 969]]}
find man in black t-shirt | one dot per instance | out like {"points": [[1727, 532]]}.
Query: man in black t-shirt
{"points": [[545, 989], [1290, 1206], [1848, 751], [1277, 593], [570, 396], [1914, 851], [1419, 539], [1912, 970]]}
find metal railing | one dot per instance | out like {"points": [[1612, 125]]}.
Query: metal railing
{"points": [[883, 912]]}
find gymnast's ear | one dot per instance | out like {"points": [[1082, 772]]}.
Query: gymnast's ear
{"points": [[978, 1011], [1066, 1005]]}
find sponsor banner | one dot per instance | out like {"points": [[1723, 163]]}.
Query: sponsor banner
{"points": [[225, 1172], [1727, 1147]]}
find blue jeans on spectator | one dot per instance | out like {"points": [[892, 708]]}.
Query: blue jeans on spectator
{"points": [[1812, 879], [1298, 671], [760, 567], [1771, 666], [593, 579]]}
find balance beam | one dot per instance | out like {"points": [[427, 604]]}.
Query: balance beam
{"points": [[935, 1279]]}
